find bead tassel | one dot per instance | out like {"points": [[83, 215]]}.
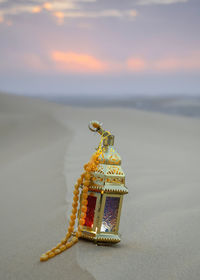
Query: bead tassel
{"points": [[85, 181]]}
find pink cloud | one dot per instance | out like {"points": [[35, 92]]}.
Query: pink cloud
{"points": [[162, 65], [36, 9], [77, 62], [136, 64]]}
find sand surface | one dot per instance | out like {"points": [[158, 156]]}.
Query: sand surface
{"points": [[43, 147]]}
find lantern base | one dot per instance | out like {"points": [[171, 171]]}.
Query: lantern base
{"points": [[101, 237]]}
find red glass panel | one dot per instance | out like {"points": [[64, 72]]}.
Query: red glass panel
{"points": [[90, 211]]}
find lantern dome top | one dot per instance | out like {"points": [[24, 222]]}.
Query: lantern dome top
{"points": [[110, 156], [109, 176]]}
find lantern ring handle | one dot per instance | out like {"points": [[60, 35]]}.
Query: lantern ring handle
{"points": [[94, 126]]}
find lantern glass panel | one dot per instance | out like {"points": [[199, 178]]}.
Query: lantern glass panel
{"points": [[90, 211], [109, 221]]}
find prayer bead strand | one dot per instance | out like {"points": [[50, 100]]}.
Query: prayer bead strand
{"points": [[84, 181]]}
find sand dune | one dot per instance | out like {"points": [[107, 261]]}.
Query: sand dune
{"points": [[43, 147]]}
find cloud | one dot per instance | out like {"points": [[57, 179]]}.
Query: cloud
{"points": [[77, 62], [36, 9], [64, 9], [136, 64], [160, 2], [60, 5], [174, 64], [100, 14], [18, 9], [170, 64], [60, 17]]}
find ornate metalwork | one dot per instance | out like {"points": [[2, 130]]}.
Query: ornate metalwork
{"points": [[108, 186]]}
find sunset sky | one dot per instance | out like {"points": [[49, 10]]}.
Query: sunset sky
{"points": [[125, 47]]}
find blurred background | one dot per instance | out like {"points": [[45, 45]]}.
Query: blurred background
{"points": [[143, 54]]}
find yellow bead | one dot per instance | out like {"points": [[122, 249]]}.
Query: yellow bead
{"points": [[63, 241], [78, 234], [83, 209], [85, 166], [57, 251], [86, 183], [74, 210], [84, 195], [85, 189], [83, 215], [85, 202], [75, 199], [76, 186], [63, 247], [79, 181], [81, 221], [51, 254], [88, 169], [93, 166], [67, 235], [68, 245], [80, 227], [70, 229], [72, 223], [74, 239], [74, 204], [44, 257], [76, 192], [87, 176], [73, 217]]}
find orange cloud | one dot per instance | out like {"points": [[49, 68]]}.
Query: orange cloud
{"points": [[60, 17], [76, 62], [136, 64], [36, 9], [48, 6]]}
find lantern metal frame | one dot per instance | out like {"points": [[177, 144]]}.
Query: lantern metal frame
{"points": [[107, 181]]}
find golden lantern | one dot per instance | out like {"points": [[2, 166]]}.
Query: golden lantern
{"points": [[105, 193], [102, 186]]}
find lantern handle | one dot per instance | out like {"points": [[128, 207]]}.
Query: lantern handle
{"points": [[96, 126]]}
